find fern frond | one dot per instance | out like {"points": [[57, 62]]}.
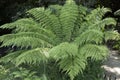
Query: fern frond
{"points": [[40, 15], [80, 19], [43, 31], [24, 39], [90, 36], [47, 20], [66, 55], [117, 12], [35, 13], [68, 16], [27, 25], [95, 52], [111, 35], [55, 9], [100, 25], [73, 65], [55, 23], [11, 56], [34, 56], [97, 14], [56, 27], [23, 23], [63, 50], [94, 20]]}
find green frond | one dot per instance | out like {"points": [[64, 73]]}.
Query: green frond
{"points": [[11, 56], [34, 56], [69, 1], [66, 55], [97, 14], [82, 10], [56, 27], [110, 21], [100, 25], [95, 52], [55, 9], [43, 31], [27, 25], [24, 39], [95, 20], [117, 12], [82, 13], [111, 35], [47, 20], [22, 23], [42, 16], [63, 50], [7, 26], [68, 17], [73, 65], [80, 19], [90, 36], [35, 12], [83, 27]]}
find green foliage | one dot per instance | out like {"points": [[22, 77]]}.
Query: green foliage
{"points": [[116, 42], [90, 36], [117, 12], [3, 72], [64, 36], [68, 16], [112, 35], [93, 71], [24, 74], [40, 54], [94, 51], [68, 58]]}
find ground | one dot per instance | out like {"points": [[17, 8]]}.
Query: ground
{"points": [[112, 66]]}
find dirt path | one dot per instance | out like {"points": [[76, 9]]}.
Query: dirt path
{"points": [[112, 66]]}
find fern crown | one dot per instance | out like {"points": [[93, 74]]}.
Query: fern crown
{"points": [[68, 34]]}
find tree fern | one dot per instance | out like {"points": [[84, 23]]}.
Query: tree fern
{"points": [[64, 35]]}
